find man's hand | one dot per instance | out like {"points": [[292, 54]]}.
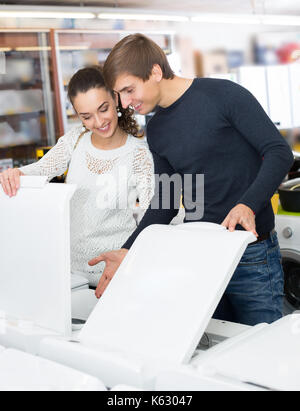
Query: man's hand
{"points": [[112, 260], [243, 215]]}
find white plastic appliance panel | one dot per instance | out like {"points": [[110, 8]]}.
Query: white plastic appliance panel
{"points": [[294, 70], [35, 279], [278, 82], [288, 230], [21, 371], [165, 292], [269, 358], [253, 78]]}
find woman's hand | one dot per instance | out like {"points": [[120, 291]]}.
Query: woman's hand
{"points": [[10, 181]]}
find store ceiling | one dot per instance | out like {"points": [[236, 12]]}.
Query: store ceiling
{"points": [[206, 6]]}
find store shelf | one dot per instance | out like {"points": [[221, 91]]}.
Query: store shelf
{"points": [[23, 114], [21, 86], [28, 115], [23, 144]]}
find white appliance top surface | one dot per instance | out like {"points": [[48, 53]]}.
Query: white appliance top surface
{"points": [[160, 301], [78, 281], [22, 371], [35, 280], [270, 357]]}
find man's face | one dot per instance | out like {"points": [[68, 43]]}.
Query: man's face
{"points": [[143, 96]]}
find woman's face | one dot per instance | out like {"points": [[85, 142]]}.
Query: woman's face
{"points": [[97, 110]]}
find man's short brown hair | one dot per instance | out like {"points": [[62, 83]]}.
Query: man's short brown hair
{"points": [[135, 55]]}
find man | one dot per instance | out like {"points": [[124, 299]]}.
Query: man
{"points": [[216, 128]]}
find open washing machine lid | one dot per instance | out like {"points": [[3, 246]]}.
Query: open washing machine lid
{"points": [[161, 299], [35, 281], [268, 358]]}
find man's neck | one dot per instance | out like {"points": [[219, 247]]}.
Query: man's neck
{"points": [[172, 90]]}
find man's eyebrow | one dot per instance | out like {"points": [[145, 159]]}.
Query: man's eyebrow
{"points": [[105, 102], [125, 88]]}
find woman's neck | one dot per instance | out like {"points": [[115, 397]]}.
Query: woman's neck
{"points": [[111, 143]]}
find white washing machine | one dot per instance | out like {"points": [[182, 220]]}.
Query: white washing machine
{"points": [[288, 230], [78, 282]]}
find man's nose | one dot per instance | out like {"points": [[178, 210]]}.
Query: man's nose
{"points": [[126, 101]]}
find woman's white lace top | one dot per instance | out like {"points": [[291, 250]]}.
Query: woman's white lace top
{"points": [[108, 184]]}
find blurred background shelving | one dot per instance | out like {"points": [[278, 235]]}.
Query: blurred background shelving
{"points": [[34, 108], [27, 117], [207, 39]]}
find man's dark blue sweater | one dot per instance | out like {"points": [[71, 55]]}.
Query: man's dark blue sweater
{"points": [[217, 128]]}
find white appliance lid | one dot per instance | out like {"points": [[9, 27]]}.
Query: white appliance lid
{"points": [[165, 292], [22, 371], [35, 282], [269, 358]]}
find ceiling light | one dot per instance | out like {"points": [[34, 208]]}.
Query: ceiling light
{"points": [[281, 20], [46, 15], [142, 17], [264, 19], [227, 19]]}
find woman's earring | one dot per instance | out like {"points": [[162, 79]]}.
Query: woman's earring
{"points": [[84, 129], [119, 113]]}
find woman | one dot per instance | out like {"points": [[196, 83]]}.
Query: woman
{"points": [[107, 161]]}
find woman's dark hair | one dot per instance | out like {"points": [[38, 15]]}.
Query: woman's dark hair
{"points": [[92, 77]]}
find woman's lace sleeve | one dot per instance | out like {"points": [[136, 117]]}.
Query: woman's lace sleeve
{"points": [[144, 172], [57, 160]]}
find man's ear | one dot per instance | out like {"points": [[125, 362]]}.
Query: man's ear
{"points": [[157, 73], [116, 97]]}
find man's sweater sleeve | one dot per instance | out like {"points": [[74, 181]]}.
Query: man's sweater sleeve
{"points": [[246, 114], [153, 214]]}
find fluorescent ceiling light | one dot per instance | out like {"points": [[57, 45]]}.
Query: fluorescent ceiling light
{"points": [[264, 19], [142, 17], [46, 15], [227, 19], [281, 20]]}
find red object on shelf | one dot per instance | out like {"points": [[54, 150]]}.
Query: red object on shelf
{"points": [[289, 52]]}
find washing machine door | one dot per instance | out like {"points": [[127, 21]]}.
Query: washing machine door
{"points": [[291, 268]]}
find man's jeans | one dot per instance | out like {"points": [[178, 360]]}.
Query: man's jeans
{"points": [[255, 293]]}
